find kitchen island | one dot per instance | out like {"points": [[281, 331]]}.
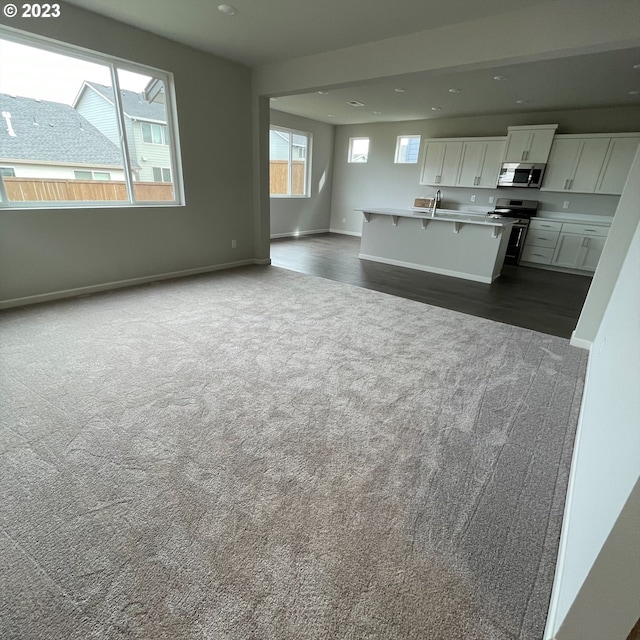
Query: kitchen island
{"points": [[452, 243]]}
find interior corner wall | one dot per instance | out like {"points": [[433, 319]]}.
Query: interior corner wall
{"points": [[47, 251], [296, 216], [605, 468], [382, 183]]}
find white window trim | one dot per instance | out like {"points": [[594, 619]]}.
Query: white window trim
{"points": [[350, 149], [307, 159], [413, 136], [114, 63]]}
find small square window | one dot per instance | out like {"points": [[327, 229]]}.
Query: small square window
{"points": [[407, 149], [82, 175], [358, 150]]}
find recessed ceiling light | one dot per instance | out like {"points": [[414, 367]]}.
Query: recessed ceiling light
{"points": [[399, 90], [227, 9], [521, 101], [635, 92], [454, 90], [500, 77], [436, 108], [355, 103], [377, 113], [636, 66], [331, 115], [323, 93]]}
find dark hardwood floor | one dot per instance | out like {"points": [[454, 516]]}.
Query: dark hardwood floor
{"points": [[545, 301]]}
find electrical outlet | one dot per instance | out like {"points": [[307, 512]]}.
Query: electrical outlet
{"points": [[565, 204], [491, 199], [234, 244], [473, 198]]}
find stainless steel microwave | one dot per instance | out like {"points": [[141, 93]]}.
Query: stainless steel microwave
{"points": [[521, 174]]}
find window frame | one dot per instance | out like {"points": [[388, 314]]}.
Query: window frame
{"points": [[397, 154], [350, 150], [162, 174], [93, 174], [307, 161], [114, 64]]}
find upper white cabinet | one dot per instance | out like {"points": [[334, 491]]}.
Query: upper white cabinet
{"points": [[441, 162], [530, 143], [462, 162], [597, 163], [617, 162], [480, 163]]}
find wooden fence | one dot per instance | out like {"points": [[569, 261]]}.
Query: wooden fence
{"points": [[50, 190], [279, 177]]}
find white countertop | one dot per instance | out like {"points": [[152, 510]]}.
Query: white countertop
{"points": [[575, 217], [446, 215]]}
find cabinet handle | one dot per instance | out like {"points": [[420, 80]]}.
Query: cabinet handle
{"points": [[539, 255], [590, 230], [524, 156], [541, 238], [585, 242]]}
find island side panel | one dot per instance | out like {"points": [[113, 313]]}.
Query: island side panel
{"points": [[472, 253]]}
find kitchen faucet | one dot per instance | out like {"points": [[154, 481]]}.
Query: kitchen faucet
{"points": [[437, 199]]}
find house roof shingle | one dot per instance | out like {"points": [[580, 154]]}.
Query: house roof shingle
{"points": [[134, 104], [51, 132]]}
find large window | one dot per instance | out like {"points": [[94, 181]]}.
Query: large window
{"points": [[288, 162], [79, 128]]}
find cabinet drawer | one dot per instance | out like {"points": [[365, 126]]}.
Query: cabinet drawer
{"points": [[545, 225], [585, 229], [539, 238], [543, 255]]}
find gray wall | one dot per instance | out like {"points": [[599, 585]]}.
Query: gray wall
{"points": [[591, 601], [47, 251], [381, 183], [293, 216]]}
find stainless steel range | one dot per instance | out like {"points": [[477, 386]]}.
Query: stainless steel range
{"points": [[522, 211]]}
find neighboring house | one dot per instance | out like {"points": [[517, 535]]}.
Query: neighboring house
{"points": [[145, 123], [279, 146], [50, 140]]}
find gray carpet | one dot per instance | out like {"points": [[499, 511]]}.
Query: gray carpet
{"points": [[259, 454]]}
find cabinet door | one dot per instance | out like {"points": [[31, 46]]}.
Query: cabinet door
{"points": [[480, 163], [451, 164], [518, 143], [471, 163], [592, 250], [568, 251], [616, 166], [441, 163], [529, 145], [590, 161], [540, 145], [562, 164], [491, 165]]}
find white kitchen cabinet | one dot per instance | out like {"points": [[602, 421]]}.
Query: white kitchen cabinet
{"points": [[568, 245], [480, 163], [617, 163], [578, 251], [441, 162], [575, 164], [597, 163], [529, 143]]}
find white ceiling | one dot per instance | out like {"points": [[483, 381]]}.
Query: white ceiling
{"points": [[268, 31]]}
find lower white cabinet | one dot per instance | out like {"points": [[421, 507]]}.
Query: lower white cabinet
{"points": [[568, 245]]}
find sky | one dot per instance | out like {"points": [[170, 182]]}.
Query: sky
{"points": [[34, 73]]}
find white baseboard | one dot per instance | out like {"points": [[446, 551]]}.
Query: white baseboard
{"points": [[119, 284], [346, 233], [295, 234], [420, 267], [580, 342]]}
